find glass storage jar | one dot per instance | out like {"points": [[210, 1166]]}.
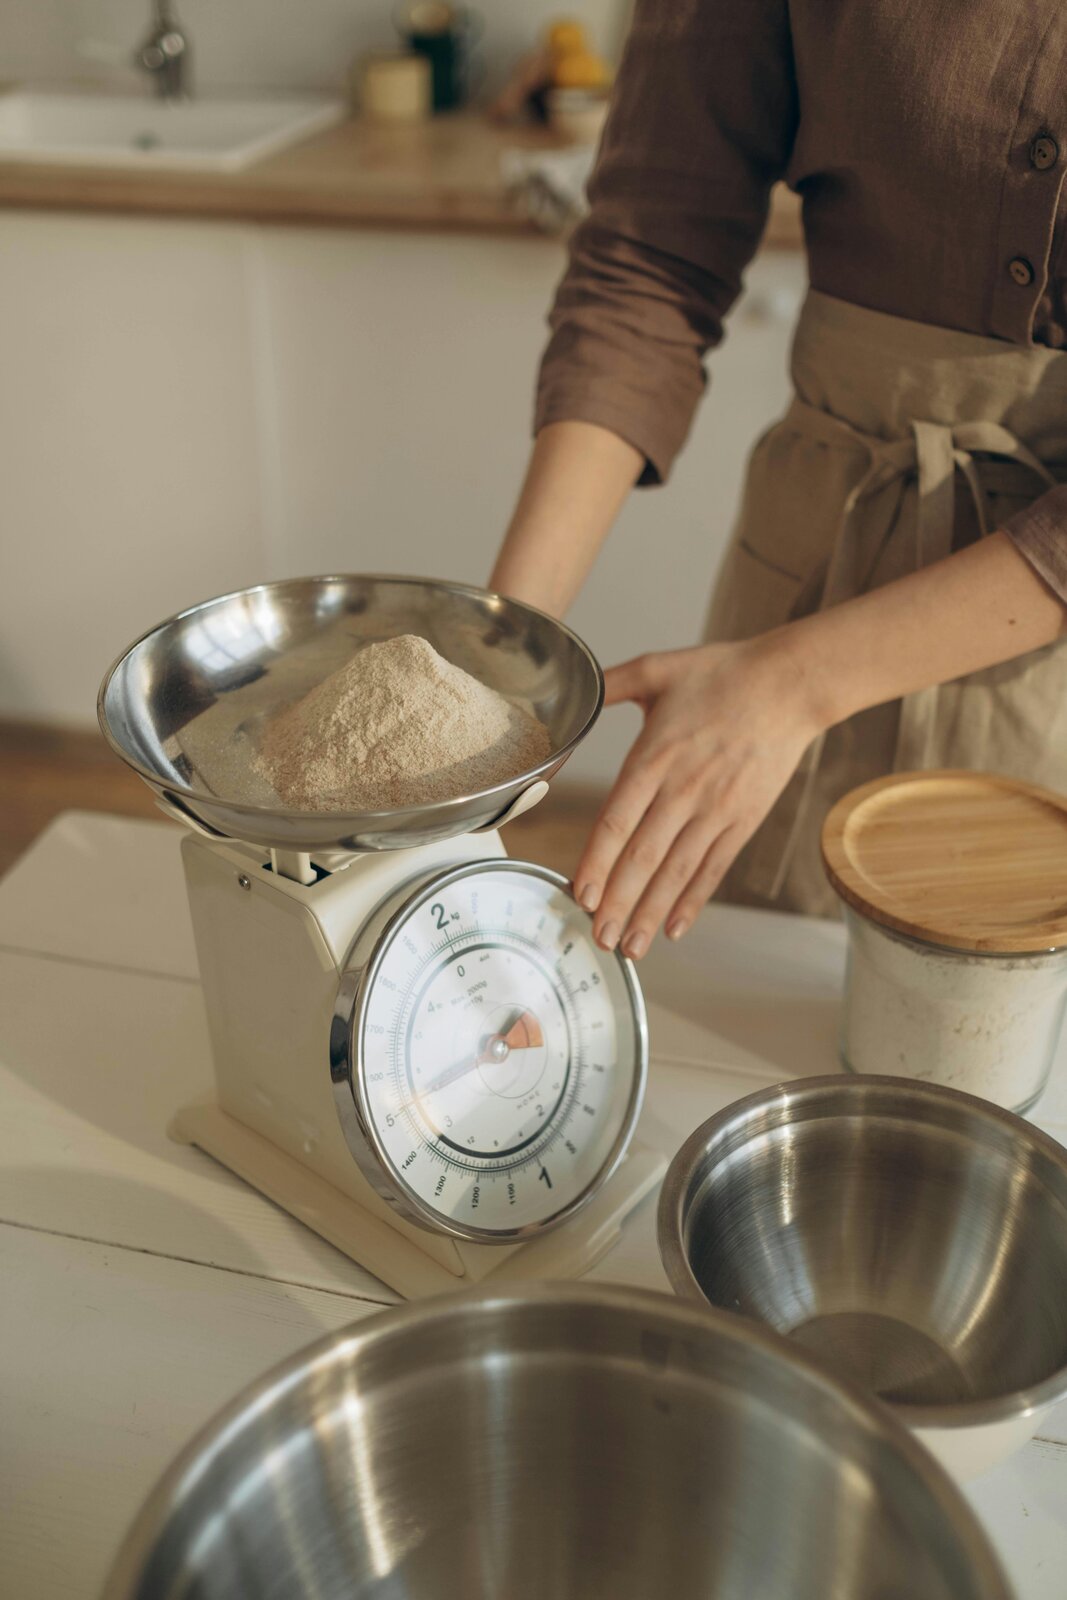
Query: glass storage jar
{"points": [[983, 1022], [955, 893]]}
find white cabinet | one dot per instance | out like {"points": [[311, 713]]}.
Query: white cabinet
{"points": [[403, 367], [189, 407], [128, 447]]}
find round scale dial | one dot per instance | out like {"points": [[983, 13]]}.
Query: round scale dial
{"points": [[499, 1055]]}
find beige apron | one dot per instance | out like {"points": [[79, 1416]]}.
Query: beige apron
{"points": [[904, 442]]}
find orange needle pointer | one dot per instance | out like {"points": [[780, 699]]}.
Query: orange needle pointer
{"points": [[523, 1032]]}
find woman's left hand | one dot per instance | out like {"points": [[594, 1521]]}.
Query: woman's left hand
{"points": [[725, 728]]}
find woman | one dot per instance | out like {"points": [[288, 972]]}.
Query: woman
{"points": [[905, 526]]}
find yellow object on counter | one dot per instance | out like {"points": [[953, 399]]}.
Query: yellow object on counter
{"points": [[574, 64], [567, 38], [581, 71]]}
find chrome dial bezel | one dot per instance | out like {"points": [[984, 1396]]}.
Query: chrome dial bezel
{"points": [[347, 1066]]}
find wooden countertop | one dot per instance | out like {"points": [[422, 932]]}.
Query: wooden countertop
{"points": [[443, 174]]}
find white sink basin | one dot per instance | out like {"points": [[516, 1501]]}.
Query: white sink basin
{"points": [[128, 131]]}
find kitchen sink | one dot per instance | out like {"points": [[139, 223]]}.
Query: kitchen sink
{"points": [[134, 131]]}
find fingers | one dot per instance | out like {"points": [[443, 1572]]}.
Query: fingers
{"points": [[704, 882], [633, 680], [633, 792], [668, 843], [665, 870], [667, 886]]}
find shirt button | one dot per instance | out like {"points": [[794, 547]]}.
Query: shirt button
{"points": [[1044, 152], [1021, 271]]}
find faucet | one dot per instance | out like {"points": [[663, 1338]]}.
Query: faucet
{"points": [[164, 55]]}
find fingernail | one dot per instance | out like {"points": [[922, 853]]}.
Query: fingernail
{"points": [[676, 929], [609, 935], [636, 945], [589, 897]]}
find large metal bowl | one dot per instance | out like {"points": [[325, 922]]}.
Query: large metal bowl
{"points": [[912, 1237], [571, 1443], [185, 705]]}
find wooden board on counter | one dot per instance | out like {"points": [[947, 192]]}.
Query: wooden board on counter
{"points": [[444, 174]]}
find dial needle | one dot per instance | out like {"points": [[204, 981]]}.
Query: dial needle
{"points": [[521, 1032]]}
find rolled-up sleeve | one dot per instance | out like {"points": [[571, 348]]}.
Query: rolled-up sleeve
{"points": [[701, 126], [1040, 534]]}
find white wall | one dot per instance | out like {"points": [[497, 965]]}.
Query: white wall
{"points": [[263, 43], [190, 407]]}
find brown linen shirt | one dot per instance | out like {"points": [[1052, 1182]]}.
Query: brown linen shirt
{"points": [[927, 139]]}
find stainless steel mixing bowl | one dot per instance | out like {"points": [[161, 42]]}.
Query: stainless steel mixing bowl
{"points": [[912, 1237], [569, 1443], [185, 705]]}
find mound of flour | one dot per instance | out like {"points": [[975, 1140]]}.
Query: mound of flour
{"points": [[397, 725]]}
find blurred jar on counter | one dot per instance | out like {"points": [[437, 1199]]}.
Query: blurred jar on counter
{"points": [[394, 88], [446, 36]]}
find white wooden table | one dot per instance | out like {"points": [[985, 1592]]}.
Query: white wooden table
{"points": [[141, 1285]]}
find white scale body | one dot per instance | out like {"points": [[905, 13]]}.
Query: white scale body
{"points": [[430, 1080]]}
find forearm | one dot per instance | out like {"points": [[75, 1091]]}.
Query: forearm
{"points": [[981, 606], [578, 478]]}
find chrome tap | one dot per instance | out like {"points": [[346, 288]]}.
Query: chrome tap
{"points": [[164, 55]]}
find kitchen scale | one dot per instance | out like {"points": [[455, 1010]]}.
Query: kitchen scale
{"points": [[419, 1050]]}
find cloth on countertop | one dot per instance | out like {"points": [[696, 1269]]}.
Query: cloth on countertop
{"points": [[549, 185], [927, 139]]}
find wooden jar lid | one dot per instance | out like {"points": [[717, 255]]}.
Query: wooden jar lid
{"points": [[964, 859]]}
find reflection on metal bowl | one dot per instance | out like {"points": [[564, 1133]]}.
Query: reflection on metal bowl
{"points": [[912, 1237], [571, 1443]]}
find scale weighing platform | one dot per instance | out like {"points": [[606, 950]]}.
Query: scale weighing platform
{"points": [[418, 1048]]}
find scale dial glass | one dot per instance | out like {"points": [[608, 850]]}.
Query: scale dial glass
{"points": [[500, 1054]]}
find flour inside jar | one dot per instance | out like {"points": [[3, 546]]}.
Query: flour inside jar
{"points": [[984, 1023], [397, 725]]}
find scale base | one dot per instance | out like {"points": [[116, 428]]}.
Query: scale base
{"points": [[566, 1252]]}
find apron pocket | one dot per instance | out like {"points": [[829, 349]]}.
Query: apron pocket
{"points": [[751, 596], [785, 533]]}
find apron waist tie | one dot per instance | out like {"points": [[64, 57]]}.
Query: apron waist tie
{"points": [[931, 453]]}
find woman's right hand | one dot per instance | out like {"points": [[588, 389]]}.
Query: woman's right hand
{"points": [[725, 728]]}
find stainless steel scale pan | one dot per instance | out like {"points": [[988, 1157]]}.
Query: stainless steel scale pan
{"points": [[185, 705]]}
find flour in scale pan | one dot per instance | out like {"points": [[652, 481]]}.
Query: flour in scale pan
{"points": [[397, 725]]}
